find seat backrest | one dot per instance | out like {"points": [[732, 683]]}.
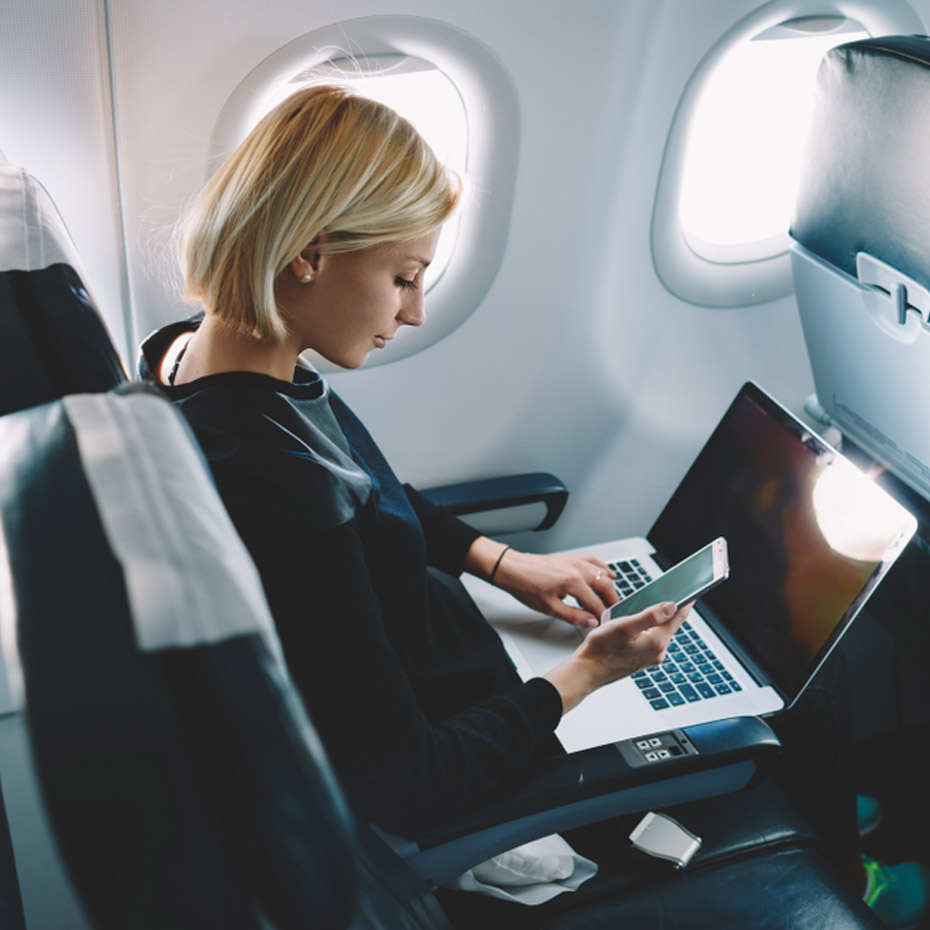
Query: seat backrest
{"points": [[53, 341], [861, 249], [182, 783]]}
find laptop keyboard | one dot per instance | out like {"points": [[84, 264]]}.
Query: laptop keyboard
{"points": [[631, 576], [691, 671]]}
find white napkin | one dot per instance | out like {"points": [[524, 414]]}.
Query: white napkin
{"points": [[530, 874]]}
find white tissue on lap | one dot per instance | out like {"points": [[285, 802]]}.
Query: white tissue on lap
{"points": [[531, 874], [521, 866]]}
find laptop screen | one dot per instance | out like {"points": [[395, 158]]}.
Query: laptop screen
{"points": [[809, 535]]}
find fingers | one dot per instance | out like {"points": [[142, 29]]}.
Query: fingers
{"points": [[625, 645], [602, 579], [657, 615], [546, 582], [644, 637], [603, 584], [591, 599], [576, 616], [595, 592], [590, 583]]}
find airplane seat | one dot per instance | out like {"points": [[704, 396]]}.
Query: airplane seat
{"points": [[158, 769], [180, 780], [860, 250], [52, 339]]}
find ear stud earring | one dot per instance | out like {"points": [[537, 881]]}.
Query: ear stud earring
{"points": [[306, 278]]}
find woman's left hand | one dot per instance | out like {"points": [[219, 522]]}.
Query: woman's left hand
{"points": [[542, 582]]}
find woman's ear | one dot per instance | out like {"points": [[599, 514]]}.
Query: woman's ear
{"points": [[302, 269], [307, 264]]}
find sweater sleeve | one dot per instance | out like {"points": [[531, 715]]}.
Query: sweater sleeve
{"points": [[447, 538], [398, 769]]}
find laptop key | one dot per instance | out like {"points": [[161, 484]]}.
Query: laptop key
{"points": [[690, 694]]}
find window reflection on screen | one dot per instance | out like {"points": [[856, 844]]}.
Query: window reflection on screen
{"points": [[806, 530]]}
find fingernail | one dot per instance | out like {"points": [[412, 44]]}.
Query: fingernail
{"points": [[668, 610]]}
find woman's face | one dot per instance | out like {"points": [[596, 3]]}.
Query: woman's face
{"points": [[356, 302]]}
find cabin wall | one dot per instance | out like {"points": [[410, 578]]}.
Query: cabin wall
{"points": [[578, 361], [56, 121]]}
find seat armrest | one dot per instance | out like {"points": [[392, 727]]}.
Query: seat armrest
{"points": [[585, 787], [472, 497]]}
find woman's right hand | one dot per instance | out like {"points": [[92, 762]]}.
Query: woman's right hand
{"points": [[615, 649]]}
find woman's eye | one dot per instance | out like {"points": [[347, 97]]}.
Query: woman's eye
{"points": [[403, 282]]}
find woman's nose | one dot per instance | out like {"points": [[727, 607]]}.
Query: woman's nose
{"points": [[412, 312]]}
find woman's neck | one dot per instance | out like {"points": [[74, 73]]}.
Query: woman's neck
{"points": [[216, 348]]}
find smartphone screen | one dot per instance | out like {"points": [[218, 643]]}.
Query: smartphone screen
{"points": [[682, 583]]}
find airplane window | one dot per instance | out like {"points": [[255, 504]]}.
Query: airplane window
{"points": [[743, 154], [727, 185], [462, 100]]}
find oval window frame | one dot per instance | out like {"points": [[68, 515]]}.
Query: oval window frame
{"points": [[492, 109], [681, 270]]}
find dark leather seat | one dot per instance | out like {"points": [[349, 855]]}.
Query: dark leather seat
{"points": [[53, 341]]}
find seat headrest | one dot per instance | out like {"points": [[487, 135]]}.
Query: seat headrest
{"points": [[865, 176], [33, 234], [53, 341]]}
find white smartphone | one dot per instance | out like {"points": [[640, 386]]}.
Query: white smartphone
{"points": [[682, 583]]}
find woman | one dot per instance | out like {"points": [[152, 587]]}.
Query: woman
{"points": [[316, 234]]}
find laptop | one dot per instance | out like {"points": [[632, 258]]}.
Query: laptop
{"points": [[810, 537]]}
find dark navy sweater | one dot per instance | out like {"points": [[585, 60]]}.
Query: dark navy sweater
{"points": [[414, 698]]}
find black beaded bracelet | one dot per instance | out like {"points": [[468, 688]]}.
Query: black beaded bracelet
{"points": [[497, 564]]}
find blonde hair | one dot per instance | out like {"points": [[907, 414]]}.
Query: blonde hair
{"points": [[326, 162]]}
